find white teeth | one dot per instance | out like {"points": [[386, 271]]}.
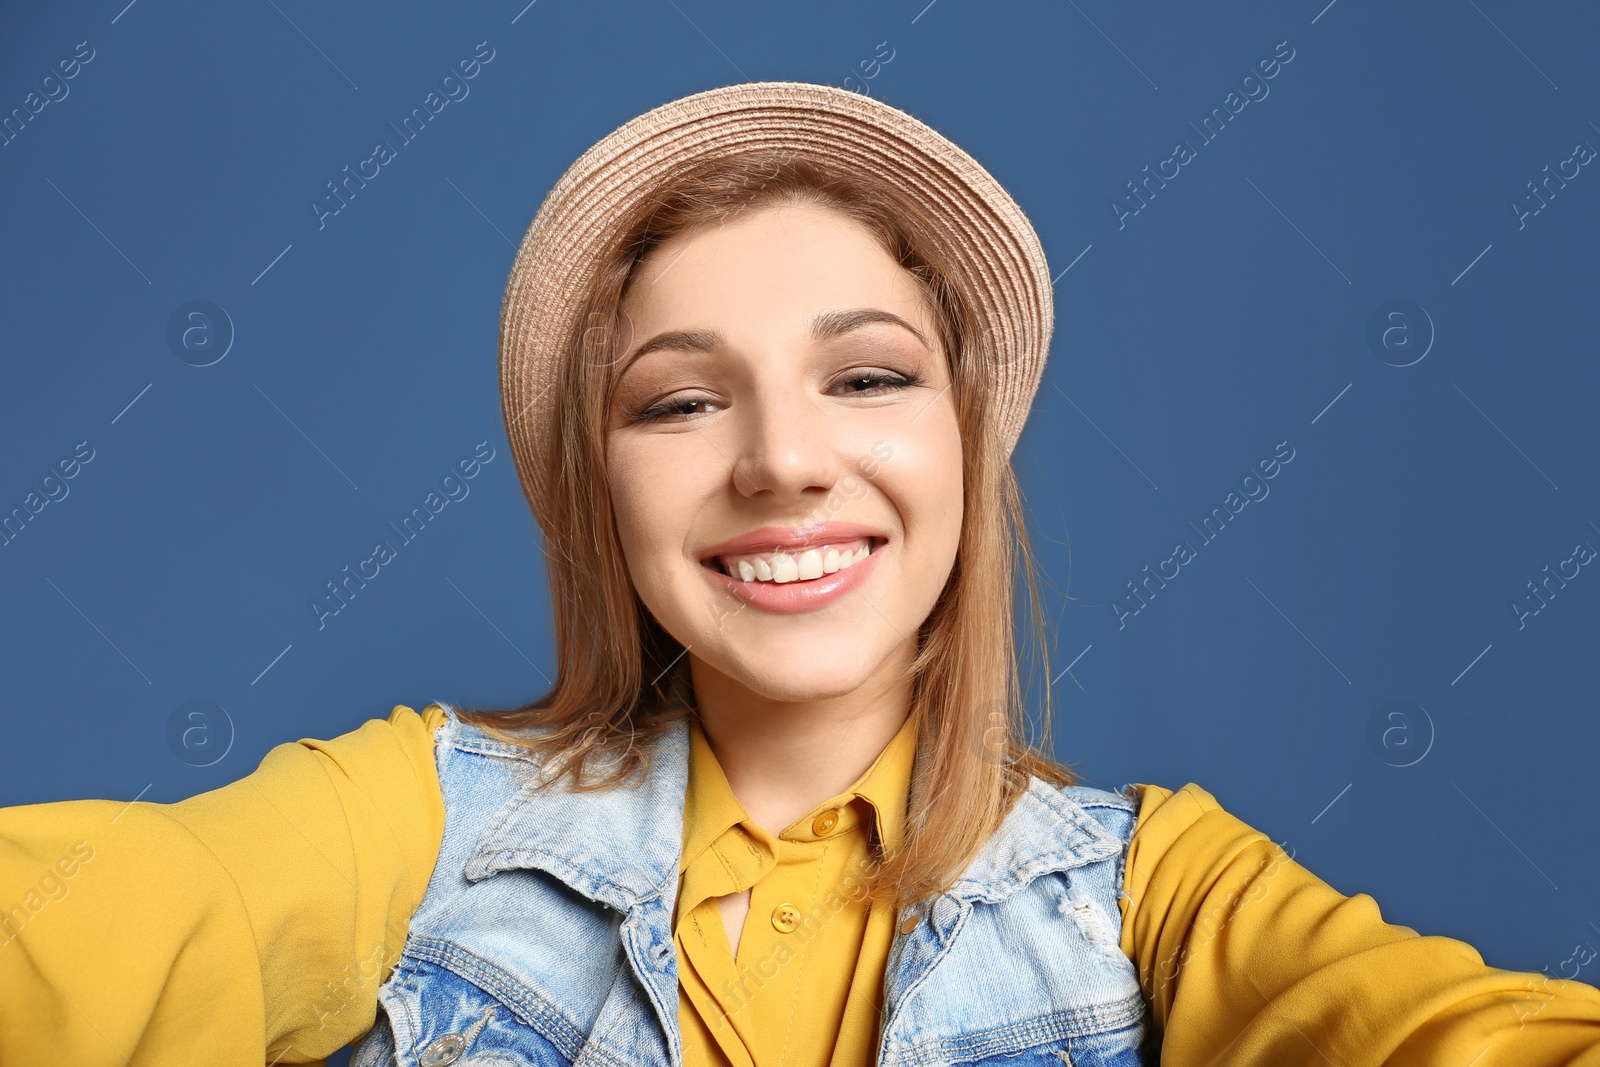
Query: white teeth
{"points": [[782, 567], [809, 563]]}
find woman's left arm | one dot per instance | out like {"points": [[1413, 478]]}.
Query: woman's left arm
{"points": [[1248, 958]]}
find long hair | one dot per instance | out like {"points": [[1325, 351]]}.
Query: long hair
{"points": [[622, 678]]}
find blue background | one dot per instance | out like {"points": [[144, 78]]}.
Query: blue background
{"points": [[1228, 315]]}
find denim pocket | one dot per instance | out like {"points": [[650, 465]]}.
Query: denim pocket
{"points": [[1115, 1048], [429, 1016], [1041, 1043]]}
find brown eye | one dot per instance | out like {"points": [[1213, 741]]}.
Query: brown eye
{"points": [[669, 409], [874, 382]]}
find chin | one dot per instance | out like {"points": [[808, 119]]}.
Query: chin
{"points": [[806, 675]]}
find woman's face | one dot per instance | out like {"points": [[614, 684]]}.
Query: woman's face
{"points": [[782, 408]]}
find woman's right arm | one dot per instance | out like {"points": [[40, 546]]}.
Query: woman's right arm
{"points": [[257, 918]]}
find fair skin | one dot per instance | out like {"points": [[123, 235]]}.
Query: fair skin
{"points": [[763, 421]]}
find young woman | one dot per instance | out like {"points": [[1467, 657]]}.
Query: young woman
{"points": [[765, 353]]}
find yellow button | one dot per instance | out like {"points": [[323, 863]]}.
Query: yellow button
{"points": [[785, 917], [909, 925], [824, 823]]}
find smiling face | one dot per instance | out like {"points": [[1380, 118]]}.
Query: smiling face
{"points": [[784, 388]]}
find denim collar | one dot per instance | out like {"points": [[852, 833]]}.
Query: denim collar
{"points": [[621, 846]]}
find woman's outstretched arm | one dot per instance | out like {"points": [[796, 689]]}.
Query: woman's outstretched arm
{"points": [[259, 917], [1250, 959]]}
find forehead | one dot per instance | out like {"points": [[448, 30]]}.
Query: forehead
{"points": [[775, 264]]}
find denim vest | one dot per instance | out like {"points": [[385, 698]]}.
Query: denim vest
{"points": [[545, 934]]}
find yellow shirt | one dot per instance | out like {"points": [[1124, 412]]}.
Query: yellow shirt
{"points": [[253, 924], [806, 987]]}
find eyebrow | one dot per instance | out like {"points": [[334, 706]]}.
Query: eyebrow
{"points": [[824, 326]]}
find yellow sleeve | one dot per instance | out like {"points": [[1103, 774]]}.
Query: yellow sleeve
{"points": [[1250, 959], [247, 925]]}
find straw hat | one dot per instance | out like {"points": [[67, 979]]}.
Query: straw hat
{"points": [[1002, 270]]}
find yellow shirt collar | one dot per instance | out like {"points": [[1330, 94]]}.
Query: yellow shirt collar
{"points": [[710, 807]]}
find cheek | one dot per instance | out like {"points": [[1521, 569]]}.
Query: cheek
{"points": [[629, 474], [922, 473], [654, 498]]}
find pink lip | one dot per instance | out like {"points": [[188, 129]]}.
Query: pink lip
{"points": [[792, 598], [771, 538]]}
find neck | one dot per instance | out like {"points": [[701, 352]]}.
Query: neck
{"points": [[784, 757]]}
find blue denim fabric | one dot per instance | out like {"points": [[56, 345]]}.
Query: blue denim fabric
{"points": [[545, 935]]}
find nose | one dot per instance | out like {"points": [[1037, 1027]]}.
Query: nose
{"points": [[784, 445]]}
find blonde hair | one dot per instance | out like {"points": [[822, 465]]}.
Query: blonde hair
{"points": [[621, 678]]}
